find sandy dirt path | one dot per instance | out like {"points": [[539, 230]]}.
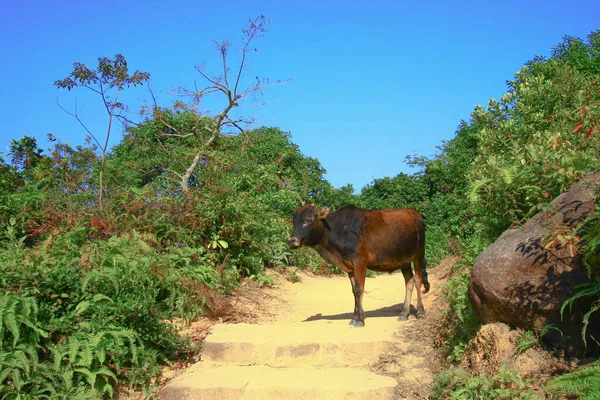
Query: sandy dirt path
{"points": [[301, 345]]}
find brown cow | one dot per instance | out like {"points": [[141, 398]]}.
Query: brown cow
{"points": [[355, 240]]}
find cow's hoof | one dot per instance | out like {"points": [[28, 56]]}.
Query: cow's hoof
{"points": [[402, 318], [356, 323], [420, 315]]}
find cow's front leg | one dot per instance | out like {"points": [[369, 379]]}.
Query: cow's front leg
{"points": [[357, 280], [354, 319]]}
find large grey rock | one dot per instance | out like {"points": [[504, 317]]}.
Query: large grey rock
{"points": [[523, 281]]}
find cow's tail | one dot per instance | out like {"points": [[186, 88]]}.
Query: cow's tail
{"points": [[426, 285], [421, 257]]}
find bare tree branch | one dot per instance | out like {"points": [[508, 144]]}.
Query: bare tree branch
{"points": [[223, 46], [235, 123], [152, 94], [221, 120], [76, 116], [122, 118]]}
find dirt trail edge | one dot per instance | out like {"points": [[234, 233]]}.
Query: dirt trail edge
{"points": [[303, 347]]}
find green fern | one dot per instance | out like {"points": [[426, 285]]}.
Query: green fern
{"points": [[457, 384], [584, 382], [591, 288], [589, 230], [20, 345], [526, 341], [94, 276], [547, 328]]}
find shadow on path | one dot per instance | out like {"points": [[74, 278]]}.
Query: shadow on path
{"points": [[386, 312]]}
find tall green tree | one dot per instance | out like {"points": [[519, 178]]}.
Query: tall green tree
{"points": [[540, 138]]}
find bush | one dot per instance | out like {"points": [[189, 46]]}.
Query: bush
{"points": [[458, 384], [459, 322]]}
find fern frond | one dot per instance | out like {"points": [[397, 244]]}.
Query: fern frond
{"points": [[10, 320], [73, 349], [106, 372], [100, 354], [28, 308], [585, 289], [526, 341], [108, 389], [583, 382], [39, 331], [101, 297], [86, 355], [20, 361], [4, 372], [473, 193], [15, 376], [32, 353], [96, 339], [86, 279], [3, 306], [82, 307], [507, 174], [89, 375], [547, 328], [594, 388], [131, 337], [93, 276], [121, 335], [56, 357], [586, 319], [67, 378]]}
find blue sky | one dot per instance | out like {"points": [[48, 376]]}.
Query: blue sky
{"points": [[373, 81]]}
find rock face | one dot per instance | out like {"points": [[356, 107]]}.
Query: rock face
{"points": [[523, 279]]}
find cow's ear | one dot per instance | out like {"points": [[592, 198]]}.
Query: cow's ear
{"points": [[324, 212]]}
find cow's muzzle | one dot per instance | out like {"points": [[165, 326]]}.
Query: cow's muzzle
{"points": [[294, 242]]}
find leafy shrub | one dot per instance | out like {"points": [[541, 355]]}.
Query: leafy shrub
{"points": [[459, 384], [105, 285], [459, 322], [540, 138], [102, 307]]}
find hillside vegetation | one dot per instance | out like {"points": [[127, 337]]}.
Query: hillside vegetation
{"points": [[101, 248]]}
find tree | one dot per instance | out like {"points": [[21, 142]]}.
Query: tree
{"points": [[400, 191], [108, 80], [540, 138], [227, 84], [25, 154]]}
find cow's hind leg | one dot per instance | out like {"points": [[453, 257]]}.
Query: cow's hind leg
{"points": [[409, 282], [421, 278]]}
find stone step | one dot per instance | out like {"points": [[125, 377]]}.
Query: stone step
{"points": [[233, 382], [322, 343]]}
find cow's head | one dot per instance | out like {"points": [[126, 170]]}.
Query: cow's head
{"points": [[309, 226]]}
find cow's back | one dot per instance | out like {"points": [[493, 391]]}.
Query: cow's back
{"points": [[389, 239], [393, 237]]}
